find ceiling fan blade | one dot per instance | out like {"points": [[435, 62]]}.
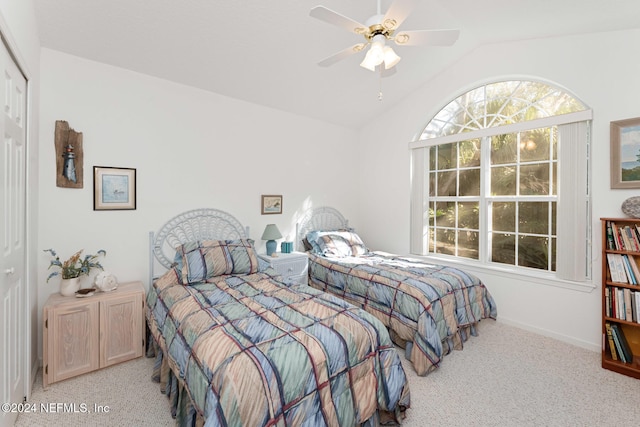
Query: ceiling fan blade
{"points": [[397, 13], [426, 37], [342, 55], [328, 15]]}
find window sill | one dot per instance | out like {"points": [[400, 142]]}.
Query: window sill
{"points": [[511, 273]]}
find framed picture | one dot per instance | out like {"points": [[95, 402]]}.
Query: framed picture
{"points": [[271, 205], [625, 153], [114, 188]]}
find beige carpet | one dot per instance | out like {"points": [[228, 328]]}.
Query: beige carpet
{"points": [[503, 377]]}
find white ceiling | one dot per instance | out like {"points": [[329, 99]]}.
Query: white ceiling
{"points": [[266, 52]]}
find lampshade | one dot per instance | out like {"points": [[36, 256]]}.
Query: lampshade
{"points": [[390, 57], [379, 53], [271, 232]]}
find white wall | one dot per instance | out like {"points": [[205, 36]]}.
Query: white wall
{"points": [[190, 148], [18, 26], [599, 69]]}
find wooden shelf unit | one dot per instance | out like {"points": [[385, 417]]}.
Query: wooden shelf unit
{"points": [[630, 328]]}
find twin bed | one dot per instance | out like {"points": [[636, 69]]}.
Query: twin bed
{"points": [[429, 309], [236, 346]]}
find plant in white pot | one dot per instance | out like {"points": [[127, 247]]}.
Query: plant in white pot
{"points": [[73, 268]]}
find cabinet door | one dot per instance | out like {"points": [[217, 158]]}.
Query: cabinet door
{"points": [[120, 328], [72, 340]]}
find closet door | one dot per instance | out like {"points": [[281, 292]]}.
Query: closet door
{"points": [[12, 235]]}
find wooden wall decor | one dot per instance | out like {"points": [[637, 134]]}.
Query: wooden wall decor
{"points": [[69, 156]]}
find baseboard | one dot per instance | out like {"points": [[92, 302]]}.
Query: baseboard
{"points": [[32, 377], [547, 333]]}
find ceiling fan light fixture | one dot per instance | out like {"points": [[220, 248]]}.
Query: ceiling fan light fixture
{"points": [[390, 58], [375, 55]]}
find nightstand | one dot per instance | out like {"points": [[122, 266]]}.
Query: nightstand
{"points": [[293, 267]]}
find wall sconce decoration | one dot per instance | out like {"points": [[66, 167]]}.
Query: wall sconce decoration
{"points": [[69, 156]]}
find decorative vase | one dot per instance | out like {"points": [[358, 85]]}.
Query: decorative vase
{"points": [[68, 287]]}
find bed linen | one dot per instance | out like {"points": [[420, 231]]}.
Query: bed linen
{"points": [[429, 309], [247, 350]]}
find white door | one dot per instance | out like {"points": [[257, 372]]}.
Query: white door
{"points": [[13, 355]]}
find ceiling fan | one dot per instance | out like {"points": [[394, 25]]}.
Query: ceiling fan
{"points": [[381, 28]]}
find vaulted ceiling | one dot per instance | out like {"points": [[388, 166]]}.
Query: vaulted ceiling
{"points": [[266, 52]]}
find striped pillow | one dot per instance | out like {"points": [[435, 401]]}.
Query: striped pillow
{"points": [[202, 260]]}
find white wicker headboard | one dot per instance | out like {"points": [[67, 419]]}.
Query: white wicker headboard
{"points": [[189, 226], [321, 218]]}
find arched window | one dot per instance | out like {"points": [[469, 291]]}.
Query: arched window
{"points": [[501, 178]]}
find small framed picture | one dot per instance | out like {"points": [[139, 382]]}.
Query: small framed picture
{"points": [[271, 205], [114, 188], [625, 153]]}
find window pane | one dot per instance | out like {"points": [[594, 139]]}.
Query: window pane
{"points": [[469, 153], [503, 149], [446, 183], [470, 182], [445, 241], [468, 244], [446, 214], [433, 156], [503, 215], [468, 215], [534, 179], [432, 213], [534, 145], [432, 245], [503, 181], [432, 184], [533, 252], [533, 217], [446, 156], [503, 248]]}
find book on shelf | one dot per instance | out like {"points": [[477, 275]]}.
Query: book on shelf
{"points": [[624, 349], [610, 242], [634, 266], [616, 340], [612, 345], [616, 269], [620, 304], [628, 310], [628, 271]]}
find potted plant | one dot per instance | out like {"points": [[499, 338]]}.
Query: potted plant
{"points": [[73, 268]]}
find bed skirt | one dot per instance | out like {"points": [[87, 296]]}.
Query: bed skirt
{"points": [[180, 403], [183, 411]]}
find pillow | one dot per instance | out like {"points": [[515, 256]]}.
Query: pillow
{"points": [[243, 256], [202, 260], [340, 243]]}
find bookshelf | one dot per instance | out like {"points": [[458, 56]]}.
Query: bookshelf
{"points": [[621, 295]]}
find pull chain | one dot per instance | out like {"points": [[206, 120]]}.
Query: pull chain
{"points": [[380, 85]]}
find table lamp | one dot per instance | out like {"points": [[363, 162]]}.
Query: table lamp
{"points": [[271, 233]]}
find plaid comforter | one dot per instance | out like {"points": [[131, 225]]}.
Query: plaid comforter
{"points": [[429, 309], [250, 351]]}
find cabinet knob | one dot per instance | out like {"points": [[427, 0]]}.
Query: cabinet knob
{"points": [[10, 271]]}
